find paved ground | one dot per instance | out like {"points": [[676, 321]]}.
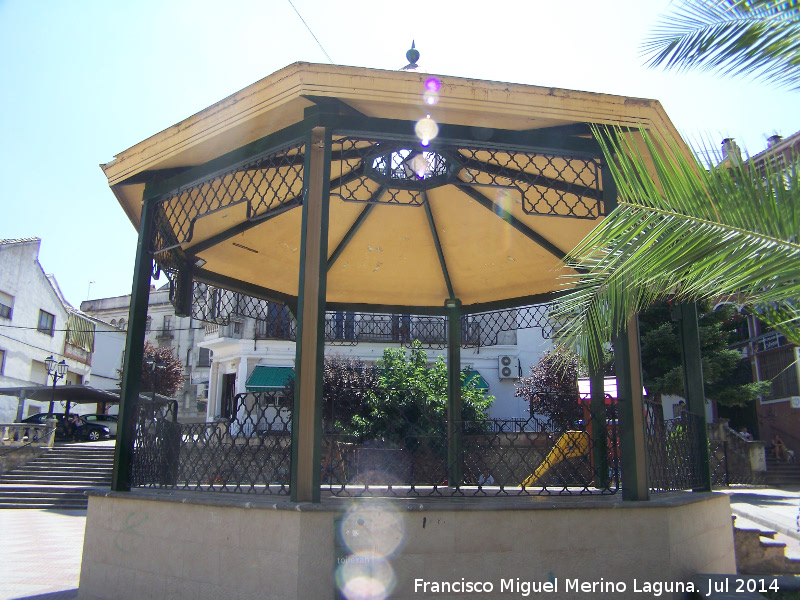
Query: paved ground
{"points": [[40, 557]]}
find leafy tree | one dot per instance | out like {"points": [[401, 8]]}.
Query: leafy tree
{"points": [[168, 377], [727, 378], [396, 400], [759, 38], [552, 390]]}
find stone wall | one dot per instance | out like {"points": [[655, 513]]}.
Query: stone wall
{"points": [[197, 547]]}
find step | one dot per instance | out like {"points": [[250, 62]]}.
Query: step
{"points": [[62, 468], [45, 505], [57, 480]]}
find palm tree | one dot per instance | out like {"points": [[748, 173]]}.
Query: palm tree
{"points": [[760, 38], [684, 232]]}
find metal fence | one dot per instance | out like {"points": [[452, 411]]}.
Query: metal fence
{"points": [[250, 452], [730, 460], [673, 450], [412, 450], [402, 453]]}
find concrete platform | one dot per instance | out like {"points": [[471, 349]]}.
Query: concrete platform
{"points": [[207, 545]]}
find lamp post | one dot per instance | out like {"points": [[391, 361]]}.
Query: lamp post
{"points": [[153, 364], [56, 371]]}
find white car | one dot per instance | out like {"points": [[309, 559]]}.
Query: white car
{"points": [[109, 421]]}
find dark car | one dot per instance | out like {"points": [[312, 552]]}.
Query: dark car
{"points": [[85, 430], [109, 421]]}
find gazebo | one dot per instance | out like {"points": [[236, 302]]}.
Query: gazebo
{"points": [[340, 189]]}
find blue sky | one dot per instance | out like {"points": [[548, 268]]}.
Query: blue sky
{"points": [[80, 81]]}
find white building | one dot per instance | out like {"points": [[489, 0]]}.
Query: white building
{"points": [[248, 348], [164, 329], [36, 322]]}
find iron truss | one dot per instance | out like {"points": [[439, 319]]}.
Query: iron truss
{"points": [[381, 171]]}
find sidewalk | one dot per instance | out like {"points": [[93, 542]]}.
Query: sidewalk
{"points": [[771, 509], [41, 553]]}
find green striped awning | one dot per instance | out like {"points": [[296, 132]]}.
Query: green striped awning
{"points": [[480, 382], [264, 378]]}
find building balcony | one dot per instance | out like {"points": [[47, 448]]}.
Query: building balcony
{"points": [[232, 330]]}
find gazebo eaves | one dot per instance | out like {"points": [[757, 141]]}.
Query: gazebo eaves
{"points": [[279, 101]]}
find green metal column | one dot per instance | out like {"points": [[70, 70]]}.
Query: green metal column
{"points": [[599, 424], [134, 351], [630, 404], [454, 413], [307, 413], [693, 384]]}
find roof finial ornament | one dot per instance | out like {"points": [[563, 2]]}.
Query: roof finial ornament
{"points": [[412, 56]]}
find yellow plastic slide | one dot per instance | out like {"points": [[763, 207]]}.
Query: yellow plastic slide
{"points": [[571, 444]]}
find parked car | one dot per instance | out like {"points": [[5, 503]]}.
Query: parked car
{"points": [[87, 431], [109, 421]]}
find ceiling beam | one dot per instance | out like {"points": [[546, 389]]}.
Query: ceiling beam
{"points": [[437, 243], [256, 221], [362, 216], [513, 221]]}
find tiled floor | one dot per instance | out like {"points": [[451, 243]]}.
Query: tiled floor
{"points": [[40, 554]]}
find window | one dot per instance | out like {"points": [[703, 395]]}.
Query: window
{"points": [[121, 324], [204, 358], [167, 323], [147, 323], [2, 360], [6, 302], [46, 322]]}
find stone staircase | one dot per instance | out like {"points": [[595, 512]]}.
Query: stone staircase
{"points": [[59, 478], [757, 551], [781, 474]]}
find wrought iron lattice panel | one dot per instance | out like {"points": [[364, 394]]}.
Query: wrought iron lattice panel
{"points": [[673, 450], [249, 451], [548, 185], [263, 184], [390, 172], [405, 453], [347, 328]]}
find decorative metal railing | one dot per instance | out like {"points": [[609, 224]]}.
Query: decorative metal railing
{"points": [[218, 307], [673, 450], [248, 452], [496, 458], [400, 454], [730, 458]]}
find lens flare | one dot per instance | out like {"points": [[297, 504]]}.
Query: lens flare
{"points": [[432, 84], [373, 527], [426, 129], [430, 97], [365, 576]]}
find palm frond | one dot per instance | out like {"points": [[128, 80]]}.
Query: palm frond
{"points": [[757, 38], [681, 231]]}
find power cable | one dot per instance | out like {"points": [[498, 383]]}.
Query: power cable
{"points": [[330, 60]]}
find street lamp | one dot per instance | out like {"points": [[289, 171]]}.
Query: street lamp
{"points": [[56, 371], [154, 365]]}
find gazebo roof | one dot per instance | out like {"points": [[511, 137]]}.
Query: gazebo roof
{"points": [[483, 213]]}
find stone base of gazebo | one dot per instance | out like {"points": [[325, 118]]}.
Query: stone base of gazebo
{"points": [[142, 545]]}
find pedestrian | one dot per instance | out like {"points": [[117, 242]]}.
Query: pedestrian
{"points": [[485, 478]]}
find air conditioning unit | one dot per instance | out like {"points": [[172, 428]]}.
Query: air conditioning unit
{"points": [[508, 367]]}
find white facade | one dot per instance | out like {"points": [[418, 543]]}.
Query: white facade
{"points": [[164, 329], [33, 326], [236, 351]]}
